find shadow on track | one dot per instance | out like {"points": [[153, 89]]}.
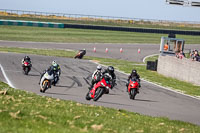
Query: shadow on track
{"points": [[60, 94], [126, 104], [115, 103], [143, 100], [33, 75]]}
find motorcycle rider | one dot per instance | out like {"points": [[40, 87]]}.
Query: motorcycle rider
{"points": [[96, 76], [53, 69], [81, 53], [110, 71], [135, 75], [27, 59]]}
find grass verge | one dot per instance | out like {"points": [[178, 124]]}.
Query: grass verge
{"points": [[22, 111], [38, 34], [122, 65]]}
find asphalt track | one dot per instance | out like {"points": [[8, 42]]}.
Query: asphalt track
{"points": [[152, 100]]}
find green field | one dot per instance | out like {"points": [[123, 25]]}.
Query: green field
{"points": [[37, 34]]}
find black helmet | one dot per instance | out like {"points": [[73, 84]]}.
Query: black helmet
{"points": [[26, 57], [110, 69], [134, 72]]}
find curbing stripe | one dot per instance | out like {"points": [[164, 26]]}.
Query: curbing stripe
{"points": [[148, 57], [5, 76]]}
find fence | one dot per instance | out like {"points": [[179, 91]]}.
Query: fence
{"points": [[85, 17]]}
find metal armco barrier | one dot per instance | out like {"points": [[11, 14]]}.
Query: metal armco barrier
{"points": [[31, 23], [159, 31]]}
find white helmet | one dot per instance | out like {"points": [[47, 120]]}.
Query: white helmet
{"points": [[54, 63], [99, 67]]}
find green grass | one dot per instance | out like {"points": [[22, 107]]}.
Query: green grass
{"points": [[25, 112], [122, 65], [37, 34], [136, 24], [46, 52]]}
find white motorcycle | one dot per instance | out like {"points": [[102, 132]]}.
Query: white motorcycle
{"points": [[46, 82]]}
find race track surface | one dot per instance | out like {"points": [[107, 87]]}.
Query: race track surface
{"points": [[152, 100]]}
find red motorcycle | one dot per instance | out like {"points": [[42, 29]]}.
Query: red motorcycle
{"points": [[98, 90], [133, 88], [26, 67]]}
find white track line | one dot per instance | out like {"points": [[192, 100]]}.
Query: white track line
{"points": [[5, 76], [148, 57], [166, 88]]}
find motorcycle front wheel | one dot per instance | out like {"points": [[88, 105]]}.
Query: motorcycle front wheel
{"points": [[133, 94], [26, 71], [87, 97], [99, 92], [45, 86]]}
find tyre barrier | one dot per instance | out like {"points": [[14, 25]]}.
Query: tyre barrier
{"points": [[128, 29], [31, 23]]}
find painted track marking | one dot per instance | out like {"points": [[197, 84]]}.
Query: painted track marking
{"points": [[5, 76], [148, 57]]}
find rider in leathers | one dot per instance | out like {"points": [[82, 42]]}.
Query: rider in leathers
{"points": [[53, 69], [110, 71], [96, 76], [27, 59], [135, 75]]}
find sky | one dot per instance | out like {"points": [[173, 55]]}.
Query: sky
{"points": [[143, 9]]}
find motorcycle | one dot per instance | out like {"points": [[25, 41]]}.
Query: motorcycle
{"points": [[133, 88], [46, 82], [98, 90], [80, 54], [26, 67]]}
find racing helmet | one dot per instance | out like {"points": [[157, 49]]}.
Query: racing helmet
{"points": [[110, 69], [54, 63], [134, 72], [107, 77], [99, 67], [26, 57]]}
